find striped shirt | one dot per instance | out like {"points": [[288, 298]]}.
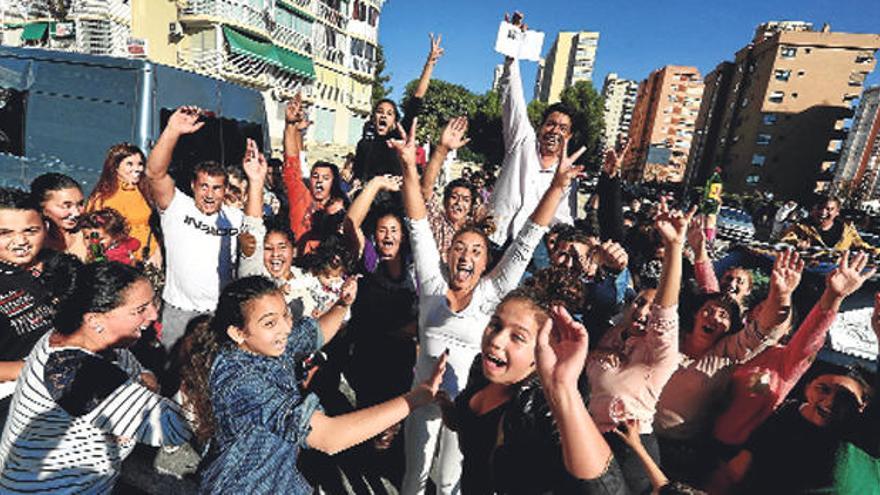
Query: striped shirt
{"points": [[45, 449]]}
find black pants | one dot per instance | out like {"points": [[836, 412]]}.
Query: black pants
{"points": [[634, 472]]}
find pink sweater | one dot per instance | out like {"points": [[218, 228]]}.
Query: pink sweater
{"points": [[762, 383], [629, 386]]}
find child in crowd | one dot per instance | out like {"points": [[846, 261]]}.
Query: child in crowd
{"points": [[107, 234]]}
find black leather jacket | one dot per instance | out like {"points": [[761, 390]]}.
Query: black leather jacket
{"points": [[527, 457]]}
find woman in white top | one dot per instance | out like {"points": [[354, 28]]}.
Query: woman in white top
{"points": [[454, 309], [83, 401]]}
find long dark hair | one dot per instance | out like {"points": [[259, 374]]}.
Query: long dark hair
{"points": [[208, 338], [336, 191], [108, 183], [97, 288]]}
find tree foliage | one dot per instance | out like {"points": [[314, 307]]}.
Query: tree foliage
{"points": [[536, 112], [442, 102], [588, 123], [381, 89]]}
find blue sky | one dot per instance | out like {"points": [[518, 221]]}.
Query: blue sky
{"points": [[635, 37]]}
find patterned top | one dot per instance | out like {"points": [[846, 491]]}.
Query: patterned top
{"points": [[262, 418], [443, 230], [75, 416]]}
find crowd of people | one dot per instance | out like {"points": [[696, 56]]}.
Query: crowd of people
{"points": [[371, 330]]}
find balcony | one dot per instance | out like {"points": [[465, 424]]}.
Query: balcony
{"points": [[362, 64], [227, 10], [305, 5], [116, 10], [332, 16], [362, 29], [289, 37], [331, 54], [218, 63]]}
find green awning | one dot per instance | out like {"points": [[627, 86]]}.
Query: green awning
{"points": [[282, 58], [245, 45], [298, 11], [296, 63], [35, 31]]}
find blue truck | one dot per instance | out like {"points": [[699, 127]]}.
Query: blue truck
{"points": [[61, 111]]}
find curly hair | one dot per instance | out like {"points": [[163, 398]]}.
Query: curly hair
{"points": [[557, 285], [687, 311], [206, 339], [108, 182], [16, 199], [331, 254], [108, 219]]}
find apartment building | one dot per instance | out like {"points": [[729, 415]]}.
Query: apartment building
{"points": [[663, 122], [571, 59], [619, 99], [774, 118], [325, 48], [856, 171]]}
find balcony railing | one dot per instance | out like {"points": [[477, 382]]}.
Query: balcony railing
{"points": [[335, 55], [286, 36], [306, 5], [332, 16], [361, 64], [249, 70], [113, 9], [232, 10], [363, 30]]}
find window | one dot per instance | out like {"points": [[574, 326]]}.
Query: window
{"points": [[807, 51], [753, 179], [802, 73], [864, 58], [788, 51], [758, 160], [782, 74], [794, 95], [776, 97], [763, 139]]}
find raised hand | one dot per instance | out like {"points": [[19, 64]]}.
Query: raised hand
{"points": [[786, 273], [436, 50], [849, 275], [561, 350], [388, 182], [247, 244], [405, 148], [614, 161], [426, 392], [295, 114], [517, 20], [696, 234], [453, 136], [672, 224], [349, 291], [613, 255], [628, 431], [254, 164], [567, 170], [185, 120]]}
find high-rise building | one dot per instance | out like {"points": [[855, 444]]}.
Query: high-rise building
{"points": [[856, 171], [571, 59], [773, 119], [619, 97], [663, 124], [325, 48]]}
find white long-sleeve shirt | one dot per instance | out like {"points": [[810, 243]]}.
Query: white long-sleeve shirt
{"points": [[461, 332], [523, 181]]}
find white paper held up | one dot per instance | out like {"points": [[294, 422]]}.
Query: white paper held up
{"points": [[515, 43]]}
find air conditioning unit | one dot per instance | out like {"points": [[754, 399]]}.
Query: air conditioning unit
{"points": [[175, 30]]}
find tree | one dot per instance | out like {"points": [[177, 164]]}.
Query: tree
{"points": [[588, 123], [380, 88], [443, 101], [487, 142], [536, 112]]}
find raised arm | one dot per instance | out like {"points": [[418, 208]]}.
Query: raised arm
{"points": [[331, 321], [360, 207], [334, 434], [611, 196], [453, 138], [184, 120], [515, 124], [413, 201], [560, 354], [255, 167], [298, 194], [785, 277], [671, 225], [434, 55]]}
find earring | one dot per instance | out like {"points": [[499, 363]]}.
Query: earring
{"points": [[98, 328]]}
